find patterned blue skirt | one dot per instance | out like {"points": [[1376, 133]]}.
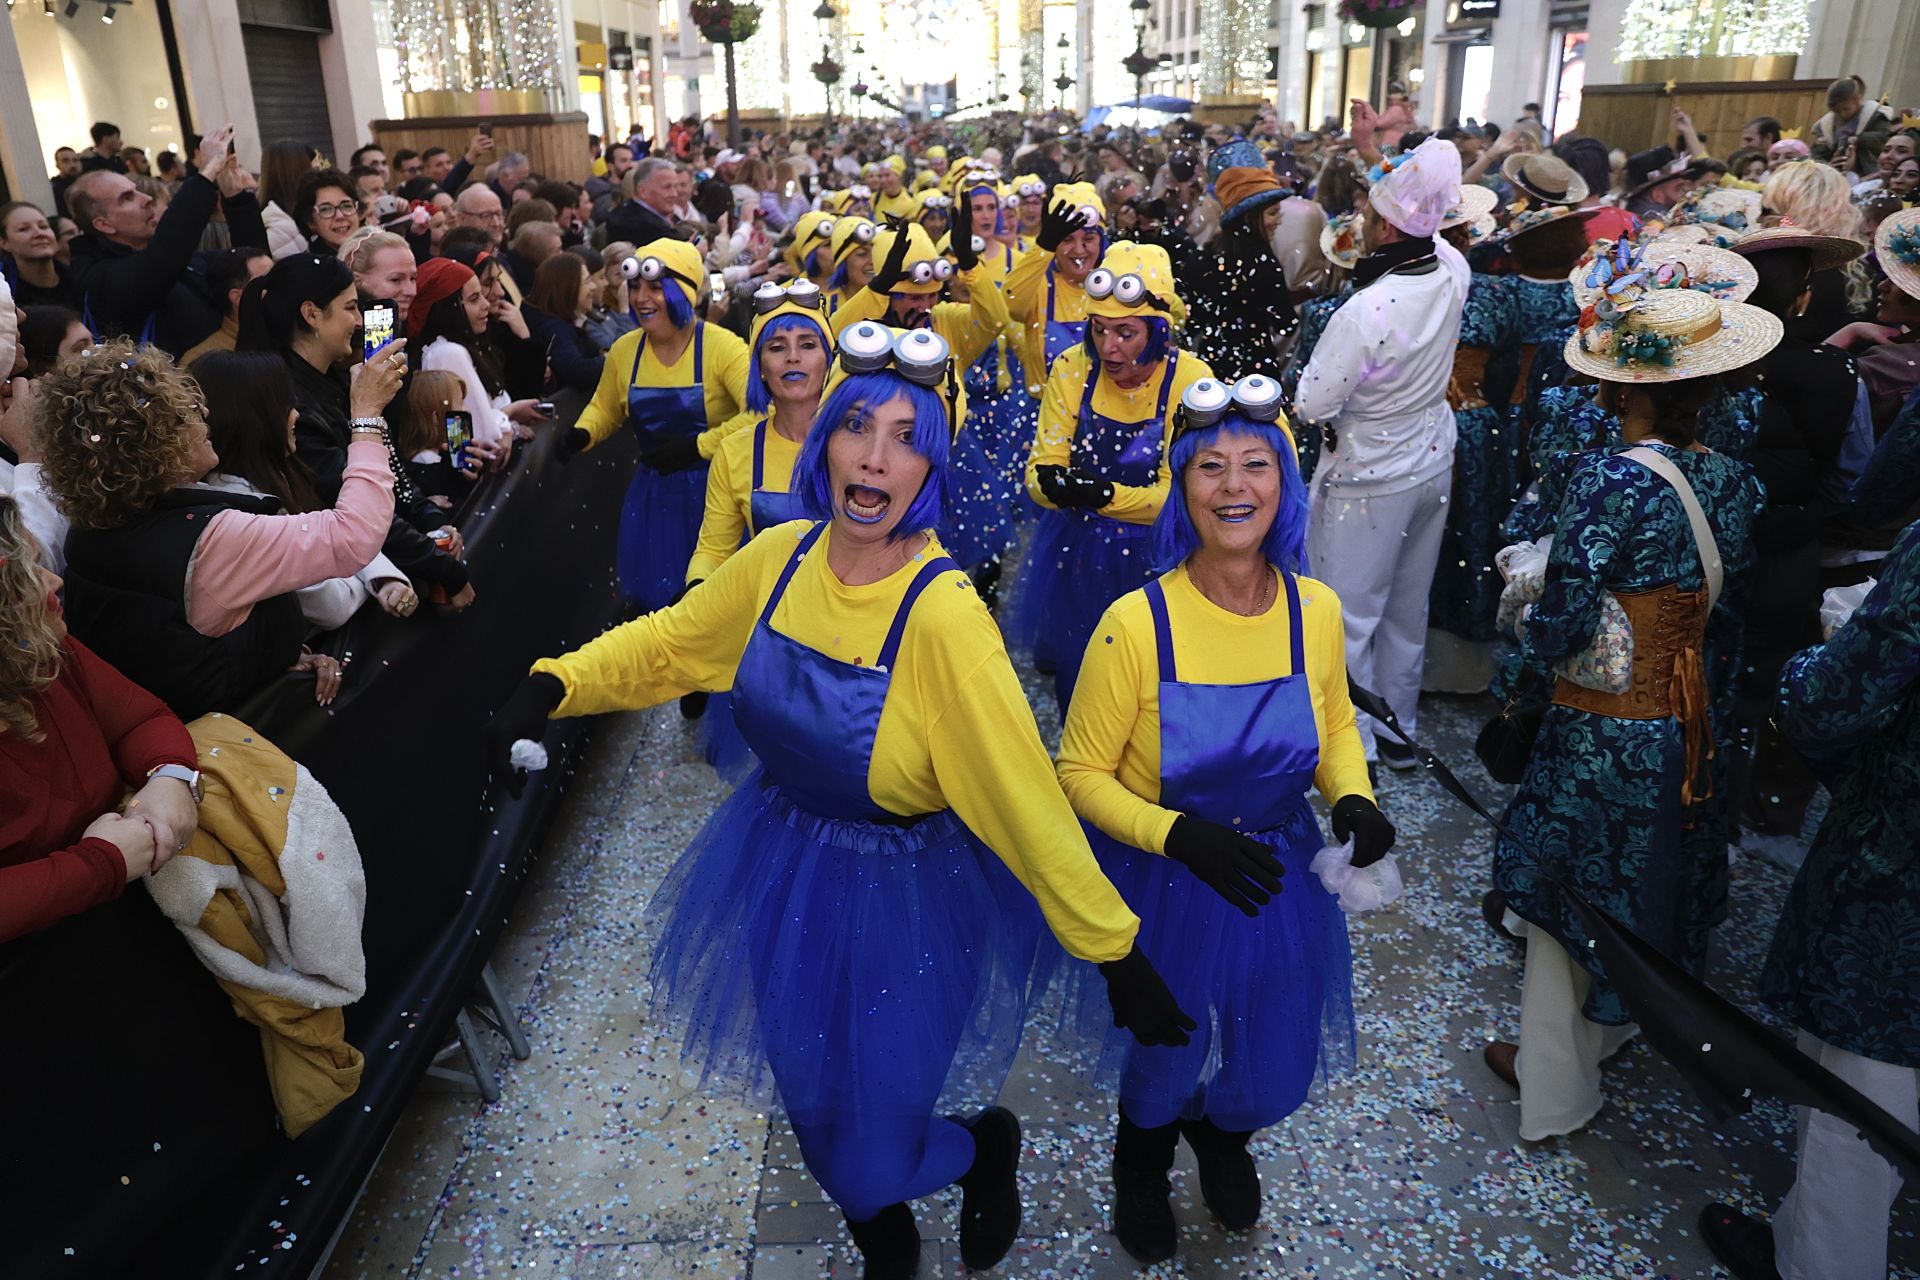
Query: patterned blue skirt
{"points": [[1273, 993]]}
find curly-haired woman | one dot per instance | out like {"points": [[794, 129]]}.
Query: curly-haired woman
{"points": [[185, 588], [75, 736]]}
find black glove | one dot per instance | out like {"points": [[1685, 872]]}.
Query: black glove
{"points": [[523, 715], [1141, 1002], [894, 269], [1372, 834], [1069, 490], [960, 235], [672, 453], [573, 440], [1057, 221], [1238, 868]]}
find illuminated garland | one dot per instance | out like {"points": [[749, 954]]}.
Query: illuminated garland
{"points": [[1233, 48], [464, 45], [1718, 28]]}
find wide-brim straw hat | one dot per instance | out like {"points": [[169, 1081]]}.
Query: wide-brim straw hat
{"points": [[1545, 215], [1713, 205], [1343, 241], [1708, 337], [1828, 251], [1476, 202], [1720, 273], [1546, 178], [1896, 247]]}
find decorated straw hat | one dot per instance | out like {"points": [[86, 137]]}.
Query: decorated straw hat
{"points": [[1662, 264], [1542, 216], [1723, 208], [1546, 178], [1896, 246], [1476, 210], [1343, 241], [1669, 335], [1828, 251]]}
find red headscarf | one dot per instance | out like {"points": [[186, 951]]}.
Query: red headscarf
{"points": [[437, 279]]}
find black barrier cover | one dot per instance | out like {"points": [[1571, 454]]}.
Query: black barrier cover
{"points": [[140, 1138]]}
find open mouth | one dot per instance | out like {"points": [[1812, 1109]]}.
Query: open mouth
{"points": [[794, 375], [1078, 262], [866, 505], [646, 313], [1239, 513]]}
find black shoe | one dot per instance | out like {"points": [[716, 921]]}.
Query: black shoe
{"points": [[889, 1243], [693, 705], [1142, 1217], [1229, 1183], [1742, 1243], [990, 1190], [1493, 909], [1397, 756]]}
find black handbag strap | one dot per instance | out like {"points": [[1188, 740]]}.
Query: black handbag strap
{"points": [[1376, 706]]}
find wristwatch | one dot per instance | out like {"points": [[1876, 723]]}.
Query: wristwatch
{"points": [[180, 773]]}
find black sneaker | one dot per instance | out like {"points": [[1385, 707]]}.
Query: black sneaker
{"points": [[1397, 756], [1229, 1182], [990, 1190], [1742, 1242], [889, 1244]]}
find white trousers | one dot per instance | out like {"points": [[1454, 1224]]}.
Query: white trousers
{"points": [[1833, 1223], [1378, 555], [1560, 1049]]}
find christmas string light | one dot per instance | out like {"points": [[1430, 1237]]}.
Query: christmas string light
{"points": [[1233, 48], [1720, 28]]}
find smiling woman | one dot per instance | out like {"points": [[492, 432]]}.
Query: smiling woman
{"points": [[923, 802]]}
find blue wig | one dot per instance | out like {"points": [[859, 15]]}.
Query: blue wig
{"points": [[810, 265], [846, 406], [1159, 338], [758, 396], [1175, 538], [837, 282], [679, 306]]}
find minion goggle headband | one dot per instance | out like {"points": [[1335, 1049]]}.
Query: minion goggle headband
{"points": [[804, 293], [822, 230], [936, 200], [921, 356], [859, 238], [1130, 290], [1032, 187], [1207, 401], [653, 270], [930, 271]]}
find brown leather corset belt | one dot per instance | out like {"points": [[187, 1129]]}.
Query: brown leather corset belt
{"points": [[1467, 388]]}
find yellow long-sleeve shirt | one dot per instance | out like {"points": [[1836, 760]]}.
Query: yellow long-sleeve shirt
{"points": [[1026, 285], [966, 327], [901, 204], [1110, 748], [955, 731], [728, 521], [1060, 421], [724, 371]]}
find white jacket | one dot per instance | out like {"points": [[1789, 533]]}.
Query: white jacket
{"points": [[283, 237]]}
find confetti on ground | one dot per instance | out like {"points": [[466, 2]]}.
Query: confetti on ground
{"points": [[602, 1161]]}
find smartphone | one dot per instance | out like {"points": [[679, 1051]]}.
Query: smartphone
{"points": [[377, 321], [716, 285], [546, 408], [486, 128], [459, 432]]}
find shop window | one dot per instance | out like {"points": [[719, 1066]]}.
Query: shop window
{"points": [[81, 69]]}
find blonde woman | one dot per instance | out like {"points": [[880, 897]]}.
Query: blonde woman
{"points": [[1816, 198]]}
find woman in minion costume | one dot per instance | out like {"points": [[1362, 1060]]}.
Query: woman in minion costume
{"points": [[933, 210], [850, 254], [1095, 465], [1045, 289], [676, 380], [904, 293], [855, 201], [891, 199], [855, 926], [934, 174], [810, 252], [749, 484], [1209, 702], [1003, 412], [1030, 193]]}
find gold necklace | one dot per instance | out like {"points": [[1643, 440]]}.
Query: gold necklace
{"points": [[1262, 601]]}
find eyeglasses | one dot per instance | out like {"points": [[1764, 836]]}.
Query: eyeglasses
{"points": [[1207, 401], [342, 209], [804, 293], [1129, 290]]}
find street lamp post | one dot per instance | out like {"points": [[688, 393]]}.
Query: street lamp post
{"points": [[1063, 81], [1139, 62], [826, 71]]}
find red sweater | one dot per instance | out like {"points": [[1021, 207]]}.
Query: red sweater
{"points": [[103, 733]]}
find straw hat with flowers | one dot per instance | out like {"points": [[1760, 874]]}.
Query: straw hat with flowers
{"points": [[1662, 264], [1669, 335], [1896, 246], [1343, 241]]}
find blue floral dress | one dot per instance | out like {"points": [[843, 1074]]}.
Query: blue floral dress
{"points": [[1600, 805], [1845, 960], [1486, 467], [1314, 316], [1544, 314]]}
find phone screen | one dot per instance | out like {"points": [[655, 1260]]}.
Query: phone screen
{"points": [[486, 128], [377, 321], [459, 432], [716, 285]]}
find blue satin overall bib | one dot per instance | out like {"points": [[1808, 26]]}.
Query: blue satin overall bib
{"points": [[768, 507], [1085, 561], [1062, 335], [859, 1084], [1242, 756], [660, 520]]}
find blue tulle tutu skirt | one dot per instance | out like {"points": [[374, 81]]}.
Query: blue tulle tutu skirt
{"points": [[659, 523], [859, 975], [978, 527], [721, 741], [1078, 564], [1273, 993], [1005, 421]]}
